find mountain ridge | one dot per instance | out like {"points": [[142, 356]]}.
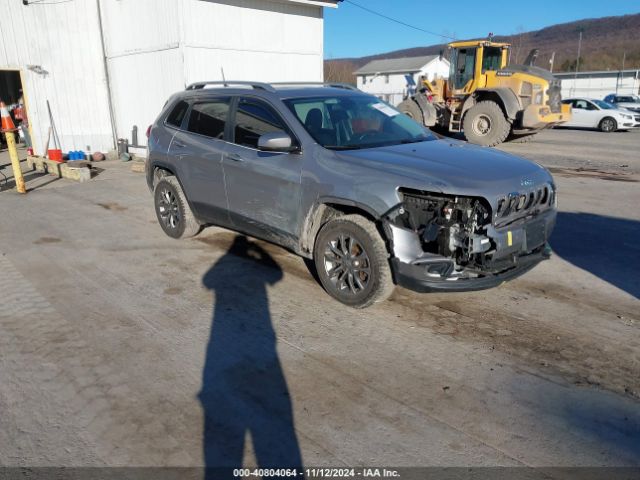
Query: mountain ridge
{"points": [[605, 41]]}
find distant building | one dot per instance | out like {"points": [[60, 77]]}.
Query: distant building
{"points": [[599, 84], [107, 66], [387, 79]]}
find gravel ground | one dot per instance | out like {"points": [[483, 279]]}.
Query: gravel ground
{"points": [[117, 342]]}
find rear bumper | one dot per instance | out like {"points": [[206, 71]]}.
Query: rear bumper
{"points": [[414, 277]]}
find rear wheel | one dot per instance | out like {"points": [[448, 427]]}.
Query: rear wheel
{"points": [[172, 209], [485, 124], [352, 262], [608, 124]]}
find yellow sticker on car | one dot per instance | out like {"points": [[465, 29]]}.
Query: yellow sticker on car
{"points": [[509, 238]]}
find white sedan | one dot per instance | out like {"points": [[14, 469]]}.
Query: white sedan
{"points": [[592, 113]]}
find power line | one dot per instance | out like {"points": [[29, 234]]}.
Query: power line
{"points": [[396, 20]]}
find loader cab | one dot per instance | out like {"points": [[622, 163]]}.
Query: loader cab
{"points": [[469, 62], [463, 66]]}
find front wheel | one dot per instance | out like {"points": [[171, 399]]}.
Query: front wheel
{"points": [[485, 124], [608, 124], [352, 262]]}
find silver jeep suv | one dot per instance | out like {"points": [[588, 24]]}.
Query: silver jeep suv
{"points": [[343, 178]]}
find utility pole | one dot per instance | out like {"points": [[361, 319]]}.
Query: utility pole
{"points": [[621, 76], [578, 57], [575, 76], [551, 60]]}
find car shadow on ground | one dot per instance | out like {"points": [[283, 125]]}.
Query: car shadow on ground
{"points": [[604, 246], [244, 391]]}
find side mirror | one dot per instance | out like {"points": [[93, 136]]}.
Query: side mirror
{"points": [[275, 142]]}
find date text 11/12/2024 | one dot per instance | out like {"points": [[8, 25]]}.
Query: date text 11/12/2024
{"points": [[316, 473]]}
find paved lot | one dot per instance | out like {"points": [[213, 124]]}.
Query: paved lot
{"points": [[116, 340]]}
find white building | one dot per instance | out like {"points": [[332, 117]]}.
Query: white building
{"points": [[387, 79], [599, 84], [109, 65]]}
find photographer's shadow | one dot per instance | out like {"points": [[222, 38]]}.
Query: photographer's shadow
{"points": [[244, 391]]}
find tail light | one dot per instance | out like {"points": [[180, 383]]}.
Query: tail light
{"points": [[149, 131]]}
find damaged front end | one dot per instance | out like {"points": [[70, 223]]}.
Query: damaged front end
{"points": [[448, 242]]}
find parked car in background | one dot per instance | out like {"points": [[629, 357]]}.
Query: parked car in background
{"points": [[342, 178], [592, 113], [630, 102]]}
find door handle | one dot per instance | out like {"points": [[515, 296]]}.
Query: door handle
{"points": [[178, 144], [235, 157]]}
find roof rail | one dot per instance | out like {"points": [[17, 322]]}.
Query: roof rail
{"points": [[230, 83], [346, 86]]}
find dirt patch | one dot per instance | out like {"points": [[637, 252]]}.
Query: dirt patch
{"points": [[560, 293], [593, 173], [580, 359], [112, 206], [46, 240], [173, 291]]}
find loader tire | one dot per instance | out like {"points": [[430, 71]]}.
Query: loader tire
{"points": [[485, 124], [412, 110]]}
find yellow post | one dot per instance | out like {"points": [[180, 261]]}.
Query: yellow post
{"points": [[15, 161]]}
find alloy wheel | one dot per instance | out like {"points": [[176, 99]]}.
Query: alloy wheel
{"points": [[169, 209], [607, 125], [347, 264]]}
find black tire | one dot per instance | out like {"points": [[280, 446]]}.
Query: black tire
{"points": [[608, 124], [412, 110], [172, 209], [529, 137], [485, 124], [353, 242]]}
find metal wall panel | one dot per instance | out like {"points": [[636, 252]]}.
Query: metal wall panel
{"points": [[63, 39], [252, 40], [600, 85], [139, 26], [153, 49], [140, 86], [157, 47]]}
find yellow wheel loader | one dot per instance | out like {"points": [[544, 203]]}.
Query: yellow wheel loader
{"points": [[487, 99]]}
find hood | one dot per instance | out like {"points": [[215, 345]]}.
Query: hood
{"points": [[622, 111], [452, 167], [628, 105]]}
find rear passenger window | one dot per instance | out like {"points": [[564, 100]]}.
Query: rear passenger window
{"points": [[253, 119], [209, 118], [177, 114]]}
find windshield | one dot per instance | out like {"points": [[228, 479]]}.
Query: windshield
{"points": [[355, 121], [603, 105]]}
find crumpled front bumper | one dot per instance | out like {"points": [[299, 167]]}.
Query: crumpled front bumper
{"points": [[415, 277], [518, 248]]}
